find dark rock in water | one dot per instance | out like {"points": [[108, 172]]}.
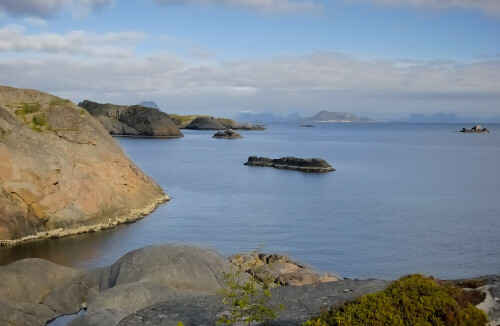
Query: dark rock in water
{"points": [[134, 120], [227, 134], [211, 123], [475, 129], [309, 126], [292, 163]]}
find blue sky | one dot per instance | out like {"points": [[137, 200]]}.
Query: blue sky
{"points": [[380, 58]]}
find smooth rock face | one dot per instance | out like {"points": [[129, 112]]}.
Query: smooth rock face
{"points": [[61, 173], [35, 291], [475, 129], [135, 120], [211, 123], [227, 134], [278, 269], [292, 163]]}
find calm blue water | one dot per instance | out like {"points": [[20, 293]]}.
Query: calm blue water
{"points": [[405, 198]]}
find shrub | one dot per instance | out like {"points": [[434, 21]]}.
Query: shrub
{"points": [[248, 301], [411, 300], [39, 120], [27, 108]]}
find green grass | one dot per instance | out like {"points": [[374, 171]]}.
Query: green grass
{"points": [[411, 300], [60, 102], [27, 108], [39, 120]]}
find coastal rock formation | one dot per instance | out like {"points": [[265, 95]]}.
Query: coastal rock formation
{"points": [[475, 129], [292, 163], [278, 269], [227, 134], [134, 120], [165, 284], [61, 173], [203, 122]]}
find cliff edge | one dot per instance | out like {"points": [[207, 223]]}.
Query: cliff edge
{"points": [[61, 172]]}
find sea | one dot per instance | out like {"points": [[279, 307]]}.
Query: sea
{"points": [[405, 198]]}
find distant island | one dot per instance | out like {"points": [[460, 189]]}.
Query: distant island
{"points": [[150, 104], [327, 116]]}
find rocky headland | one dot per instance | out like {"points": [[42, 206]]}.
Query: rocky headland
{"points": [[291, 163], [61, 172], [133, 120], [203, 122], [165, 284], [227, 134], [475, 129]]}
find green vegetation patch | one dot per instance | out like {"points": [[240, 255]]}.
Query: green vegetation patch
{"points": [[27, 108], [60, 102], [411, 300]]}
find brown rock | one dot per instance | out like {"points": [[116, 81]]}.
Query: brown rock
{"points": [[61, 173]]}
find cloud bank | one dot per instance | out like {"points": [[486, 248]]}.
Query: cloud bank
{"points": [[263, 6], [322, 80], [49, 8], [491, 7]]}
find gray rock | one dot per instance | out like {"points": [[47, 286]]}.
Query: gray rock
{"points": [[292, 163], [135, 120], [211, 123], [475, 129]]}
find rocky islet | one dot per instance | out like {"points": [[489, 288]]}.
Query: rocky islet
{"points": [[291, 163]]}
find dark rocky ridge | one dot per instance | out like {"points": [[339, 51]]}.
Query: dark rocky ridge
{"points": [[211, 123], [227, 134], [292, 163], [134, 120], [475, 129]]}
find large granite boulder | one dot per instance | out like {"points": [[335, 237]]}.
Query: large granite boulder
{"points": [[134, 120], [291, 163], [61, 173]]}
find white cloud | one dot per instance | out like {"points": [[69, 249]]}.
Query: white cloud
{"points": [[491, 7], [14, 39], [263, 6], [48, 8]]}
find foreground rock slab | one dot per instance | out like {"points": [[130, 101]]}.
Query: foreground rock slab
{"points": [[291, 163], [134, 120], [62, 173]]}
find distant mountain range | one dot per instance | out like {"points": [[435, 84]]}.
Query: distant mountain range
{"points": [[323, 116], [327, 116], [451, 117], [150, 104]]}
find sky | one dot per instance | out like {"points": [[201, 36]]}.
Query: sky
{"points": [[384, 59]]}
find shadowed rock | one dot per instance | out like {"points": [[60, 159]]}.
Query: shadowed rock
{"points": [[292, 163], [211, 123], [227, 134], [135, 120], [61, 173]]}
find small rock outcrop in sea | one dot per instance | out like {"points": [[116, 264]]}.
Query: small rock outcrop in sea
{"points": [[475, 129], [308, 126], [280, 268], [210, 123], [292, 163], [227, 134], [134, 120], [61, 172]]}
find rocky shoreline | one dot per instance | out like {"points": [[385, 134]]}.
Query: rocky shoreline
{"points": [[165, 284], [133, 216]]}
